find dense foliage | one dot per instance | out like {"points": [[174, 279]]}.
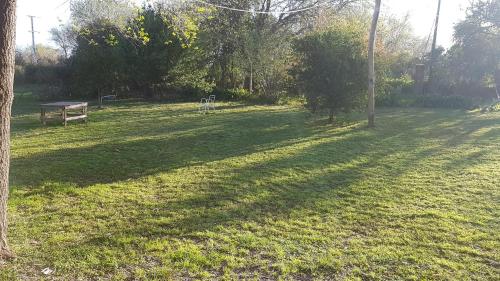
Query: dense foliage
{"points": [[142, 57], [471, 67], [331, 69], [184, 50]]}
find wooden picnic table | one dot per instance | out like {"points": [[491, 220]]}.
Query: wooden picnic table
{"points": [[68, 111]]}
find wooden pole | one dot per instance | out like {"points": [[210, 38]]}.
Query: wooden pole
{"points": [[497, 82], [371, 65], [433, 50], [33, 45], [419, 79]]}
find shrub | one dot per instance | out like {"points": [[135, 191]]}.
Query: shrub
{"points": [[331, 71], [495, 107], [19, 77], [393, 90], [53, 75], [437, 101], [238, 94]]}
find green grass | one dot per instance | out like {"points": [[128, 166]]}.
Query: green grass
{"points": [[158, 192]]}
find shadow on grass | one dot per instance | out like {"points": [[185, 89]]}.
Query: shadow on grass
{"points": [[155, 147], [330, 163], [251, 166]]}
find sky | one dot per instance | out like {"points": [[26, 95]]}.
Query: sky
{"points": [[51, 13]]}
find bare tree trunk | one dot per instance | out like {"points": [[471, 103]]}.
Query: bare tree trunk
{"points": [[7, 54], [331, 115], [371, 65], [497, 82], [250, 83]]}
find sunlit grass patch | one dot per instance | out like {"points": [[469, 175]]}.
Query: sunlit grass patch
{"points": [[157, 191]]}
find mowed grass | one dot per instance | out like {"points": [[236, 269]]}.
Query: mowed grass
{"points": [[149, 191]]}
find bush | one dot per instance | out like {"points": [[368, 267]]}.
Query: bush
{"points": [[45, 74], [429, 101], [495, 107], [331, 69], [389, 91], [240, 94], [436, 101], [19, 76]]}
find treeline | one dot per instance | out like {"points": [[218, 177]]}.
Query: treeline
{"points": [[183, 50]]}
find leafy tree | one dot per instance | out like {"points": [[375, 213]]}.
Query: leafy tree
{"points": [[97, 64], [472, 64], [145, 55], [157, 47], [88, 12], [65, 38], [253, 49], [477, 41], [331, 69]]}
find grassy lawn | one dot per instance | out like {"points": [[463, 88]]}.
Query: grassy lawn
{"points": [[158, 192]]}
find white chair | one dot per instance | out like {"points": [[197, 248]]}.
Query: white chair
{"points": [[211, 102], [204, 106]]}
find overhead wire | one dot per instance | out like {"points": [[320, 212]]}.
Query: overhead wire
{"points": [[428, 39], [317, 5], [62, 4]]}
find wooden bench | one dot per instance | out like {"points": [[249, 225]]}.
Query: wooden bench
{"points": [[68, 111]]}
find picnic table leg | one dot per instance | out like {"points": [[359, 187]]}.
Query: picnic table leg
{"points": [[64, 115], [42, 116], [84, 112]]}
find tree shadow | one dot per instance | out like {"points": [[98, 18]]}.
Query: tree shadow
{"points": [[246, 170], [147, 147], [332, 162]]}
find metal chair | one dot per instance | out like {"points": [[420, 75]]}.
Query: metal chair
{"points": [[204, 106], [211, 102]]}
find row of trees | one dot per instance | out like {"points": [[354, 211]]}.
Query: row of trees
{"points": [[473, 62], [185, 49]]}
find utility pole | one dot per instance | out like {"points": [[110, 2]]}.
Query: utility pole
{"points": [[33, 45], [433, 50]]}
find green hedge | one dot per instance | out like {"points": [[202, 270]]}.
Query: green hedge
{"points": [[429, 101], [436, 101]]}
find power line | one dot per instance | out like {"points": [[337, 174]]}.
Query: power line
{"points": [[62, 4], [428, 39], [263, 12]]}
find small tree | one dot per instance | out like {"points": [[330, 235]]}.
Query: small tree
{"points": [[97, 63], [331, 69]]}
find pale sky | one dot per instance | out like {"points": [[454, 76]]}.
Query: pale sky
{"points": [[50, 13]]}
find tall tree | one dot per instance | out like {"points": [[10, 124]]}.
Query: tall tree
{"points": [[475, 56], [227, 34], [371, 65], [65, 37], [7, 57]]}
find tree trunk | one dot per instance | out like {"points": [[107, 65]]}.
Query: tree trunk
{"points": [[7, 55], [331, 115], [371, 65], [99, 99], [497, 82], [250, 83]]}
